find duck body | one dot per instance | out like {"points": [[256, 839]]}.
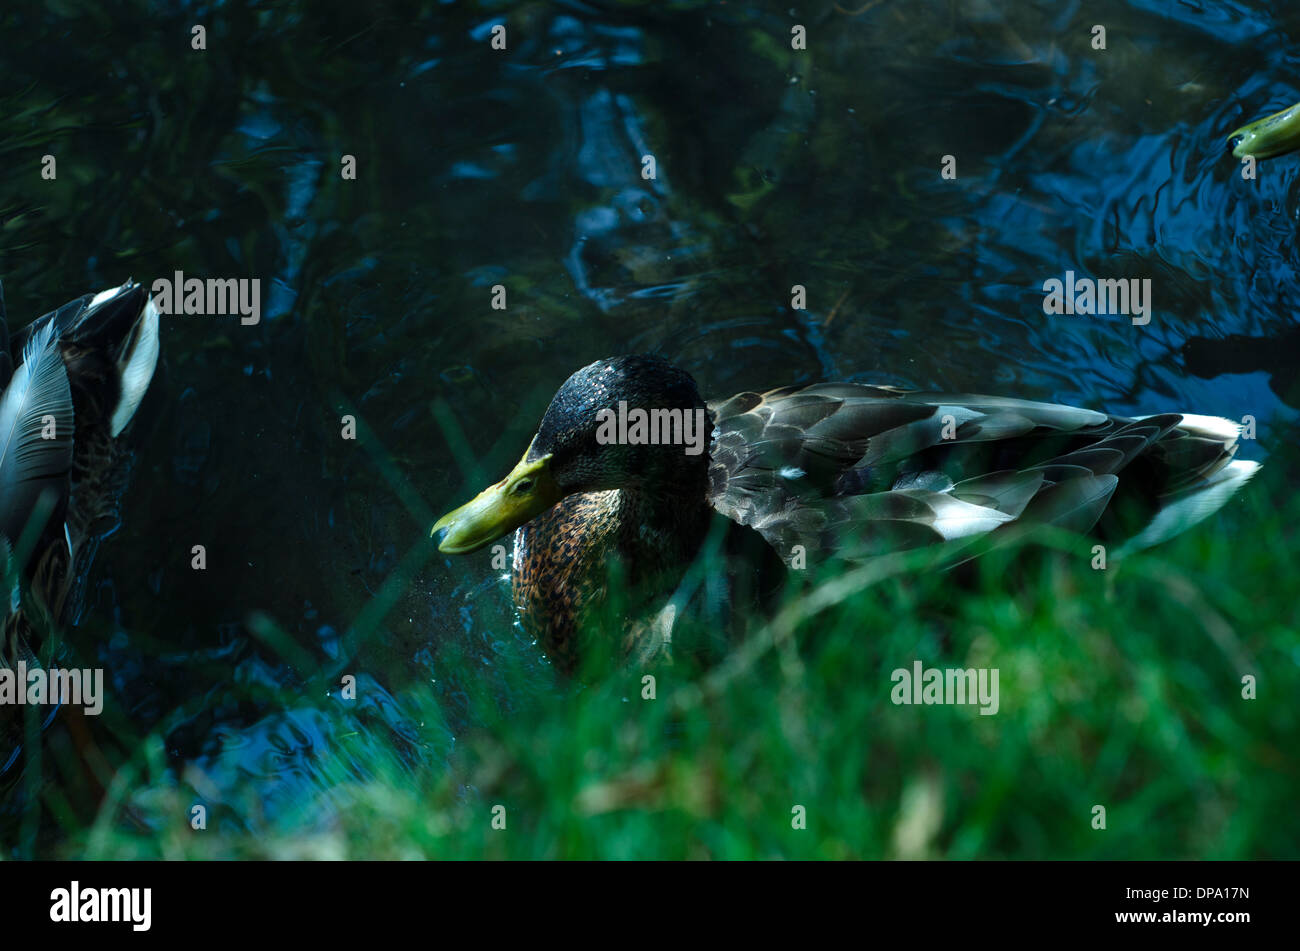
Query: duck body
{"points": [[826, 471], [70, 382]]}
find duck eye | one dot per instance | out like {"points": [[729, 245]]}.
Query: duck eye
{"points": [[523, 486]]}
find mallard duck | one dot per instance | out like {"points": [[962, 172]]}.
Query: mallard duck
{"points": [[1268, 137], [830, 469], [72, 380]]}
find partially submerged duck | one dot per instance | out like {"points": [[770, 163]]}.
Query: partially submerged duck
{"points": [[1268, 137], [71, 381], [827, 470]]}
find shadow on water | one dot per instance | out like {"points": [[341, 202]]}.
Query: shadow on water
{"points": [[773, 168]]}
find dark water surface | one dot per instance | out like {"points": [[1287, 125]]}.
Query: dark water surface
{"points": [[522, 167]]}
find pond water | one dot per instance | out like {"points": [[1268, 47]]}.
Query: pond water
{"points": [[523, 167]]}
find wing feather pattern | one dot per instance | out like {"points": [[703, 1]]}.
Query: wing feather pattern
{"points": [[862, 470]]}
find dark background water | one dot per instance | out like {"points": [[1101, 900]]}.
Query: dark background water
{"points": [[522, 167]]}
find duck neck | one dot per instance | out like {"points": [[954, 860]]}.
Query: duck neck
{"points": [[667, 516]]}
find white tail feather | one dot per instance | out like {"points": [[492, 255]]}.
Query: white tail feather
{"points": [[1196, 506]]}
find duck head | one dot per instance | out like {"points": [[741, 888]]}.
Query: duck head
{"points": [[634, 423]]}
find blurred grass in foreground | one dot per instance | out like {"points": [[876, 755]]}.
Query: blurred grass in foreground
{"points": [[1119, 688]]}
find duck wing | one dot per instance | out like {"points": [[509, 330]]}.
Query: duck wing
{"points": [[862, 470], [36, 427], [110, 347]]}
